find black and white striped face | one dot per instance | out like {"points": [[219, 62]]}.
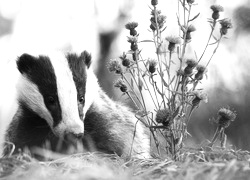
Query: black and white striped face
{"points": [[47, 88], [85, 80]]}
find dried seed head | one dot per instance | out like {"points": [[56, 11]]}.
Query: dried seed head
{"points": [[190, 1], [225, 117], [161, 20], [133, 46], [191, 63], [198, 97], [125, 60], [190, 66], [217, 8], [191, 28], [154, 2], [225, 25], [201, 70], [114, 66], [131, 25], [172, 42], [162, 116], [216, 11], [152, 65], [120, 84]]}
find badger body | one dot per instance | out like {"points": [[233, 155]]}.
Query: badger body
{"points": [[109, 126]]}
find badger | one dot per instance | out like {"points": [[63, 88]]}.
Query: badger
{"points": [[109, 126], [46, 100]]}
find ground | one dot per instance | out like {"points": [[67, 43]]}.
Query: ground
{"points": [[191, 164]]}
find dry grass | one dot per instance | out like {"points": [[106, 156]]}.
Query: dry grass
{"points": [[192, 164]]}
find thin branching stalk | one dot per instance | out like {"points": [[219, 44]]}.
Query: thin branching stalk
{"points": [[210, 36]]}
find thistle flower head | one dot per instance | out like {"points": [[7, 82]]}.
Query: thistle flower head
{"points": [[190, 1], [162, 116], [225, 25], [131, 25], [225, 117], [201, 70], [125, 60], [172, 42], [198, 97], [121, 84], [154, 2], [152, 65], [191, 28], [216, 11], [217, 8], [173, 39], [114, 66], [161, 19], [191, 63]]}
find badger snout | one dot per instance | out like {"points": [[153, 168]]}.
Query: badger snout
{"points": [[74, 129]]}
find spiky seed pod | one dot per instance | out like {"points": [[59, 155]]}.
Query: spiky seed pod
{"points": [[190, 66], [125, 60], [131, 27], [225, 117], [190, 1], [152, 27], [190, 29], [216, 11], [198, 97], [225, 25], [152, 66], [154, 2], [133, 46], [172, 42], [201, 70], [120, 84], [114, 66], [161, 20], [162, 116]]}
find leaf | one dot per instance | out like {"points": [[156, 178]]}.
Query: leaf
{"points": [[194, 17]]}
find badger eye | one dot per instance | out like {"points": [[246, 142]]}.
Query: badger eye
{"points": [[51, 100], [82, 100]]}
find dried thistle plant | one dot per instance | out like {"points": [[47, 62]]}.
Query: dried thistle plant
{"points": [[171, 78]]}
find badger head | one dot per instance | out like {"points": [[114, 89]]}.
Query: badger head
{"points": [[85, 80], [47, 88]]}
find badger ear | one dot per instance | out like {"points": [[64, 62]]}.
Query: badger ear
{"points": [[25, 63], [87, 58]]}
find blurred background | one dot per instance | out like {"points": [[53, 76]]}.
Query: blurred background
{"points": [[98, 26]]}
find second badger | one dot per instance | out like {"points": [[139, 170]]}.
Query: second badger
{"points": [[108, 126]]}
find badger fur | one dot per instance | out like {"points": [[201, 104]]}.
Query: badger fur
{"points": [[46, 100], [109, 126]]}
